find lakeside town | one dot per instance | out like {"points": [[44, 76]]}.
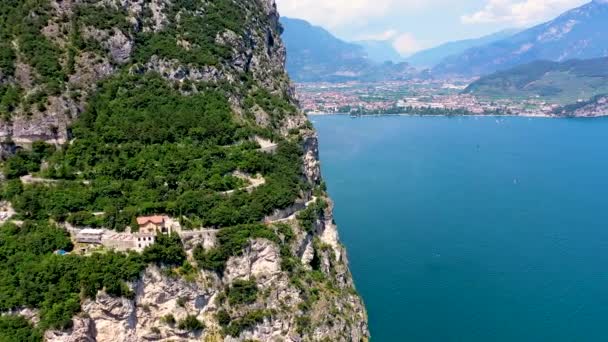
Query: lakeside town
{"points": [[417, 96]]}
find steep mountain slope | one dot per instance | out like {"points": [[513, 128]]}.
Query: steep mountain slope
{"points": [[430, 57], [565, 82], [380, 51], [116, 110], [315, 54], [596, 106], [578, 33]]}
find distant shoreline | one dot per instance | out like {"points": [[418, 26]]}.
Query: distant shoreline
{"points": [[543, 116]]}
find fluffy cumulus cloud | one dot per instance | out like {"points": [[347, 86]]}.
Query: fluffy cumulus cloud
{"points": [[406, 44], [519, 12]]}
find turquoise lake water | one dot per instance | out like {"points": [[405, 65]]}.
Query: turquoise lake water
{"points": [[473, 229]]}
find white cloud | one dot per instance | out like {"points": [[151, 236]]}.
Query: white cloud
{"points": [[406, 44], [386, 35], [519, 12], [335, 13]]}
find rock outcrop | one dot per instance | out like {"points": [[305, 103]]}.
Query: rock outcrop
{"points": [[261, 261]]}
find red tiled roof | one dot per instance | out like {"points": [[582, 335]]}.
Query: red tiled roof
{"points": [[157, 219]]}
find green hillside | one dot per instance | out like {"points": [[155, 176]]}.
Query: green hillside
{"points": [[562, 83]]}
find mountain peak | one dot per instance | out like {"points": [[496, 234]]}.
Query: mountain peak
{"points": [[577, 33]]}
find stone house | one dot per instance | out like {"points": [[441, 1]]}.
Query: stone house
{"points": [[152, 225], [143, 240]]}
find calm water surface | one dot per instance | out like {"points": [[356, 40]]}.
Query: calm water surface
{"points": [[474, 229]]}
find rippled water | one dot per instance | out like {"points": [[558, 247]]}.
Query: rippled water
{"points": [[474, 229]]}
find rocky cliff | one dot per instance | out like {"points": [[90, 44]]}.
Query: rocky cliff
{"points": [[59, 53], [82, 47], [596, 106]]}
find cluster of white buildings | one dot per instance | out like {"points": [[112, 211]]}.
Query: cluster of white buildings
{"points": [[149, 228]]}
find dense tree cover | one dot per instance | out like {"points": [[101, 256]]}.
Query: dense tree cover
{"points": [[7, 58], [143, 147], [108, 18], [242, 292], [32, 276], [24, 162], [134, 109], [18, 329], [10, 97], [167, 250]]}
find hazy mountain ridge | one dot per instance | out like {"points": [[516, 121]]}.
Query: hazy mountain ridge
{"points": [[315, 55], [430, 57], [578, 33]]}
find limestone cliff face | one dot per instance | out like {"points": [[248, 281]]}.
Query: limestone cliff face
{"points": [[320, 305], [259, 52]]}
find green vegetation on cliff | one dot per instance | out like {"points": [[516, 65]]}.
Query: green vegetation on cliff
{"points": [[32, 276], [142, 147], [18, 329]]}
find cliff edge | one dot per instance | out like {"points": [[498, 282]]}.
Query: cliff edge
{"points": [[113, 110]]}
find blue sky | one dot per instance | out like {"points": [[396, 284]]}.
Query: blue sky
{"points": [[413, 25]]}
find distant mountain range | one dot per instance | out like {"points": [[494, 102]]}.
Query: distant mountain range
{"points": [[315, 55], [579, 33], [433, 56], [560, 82]]}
